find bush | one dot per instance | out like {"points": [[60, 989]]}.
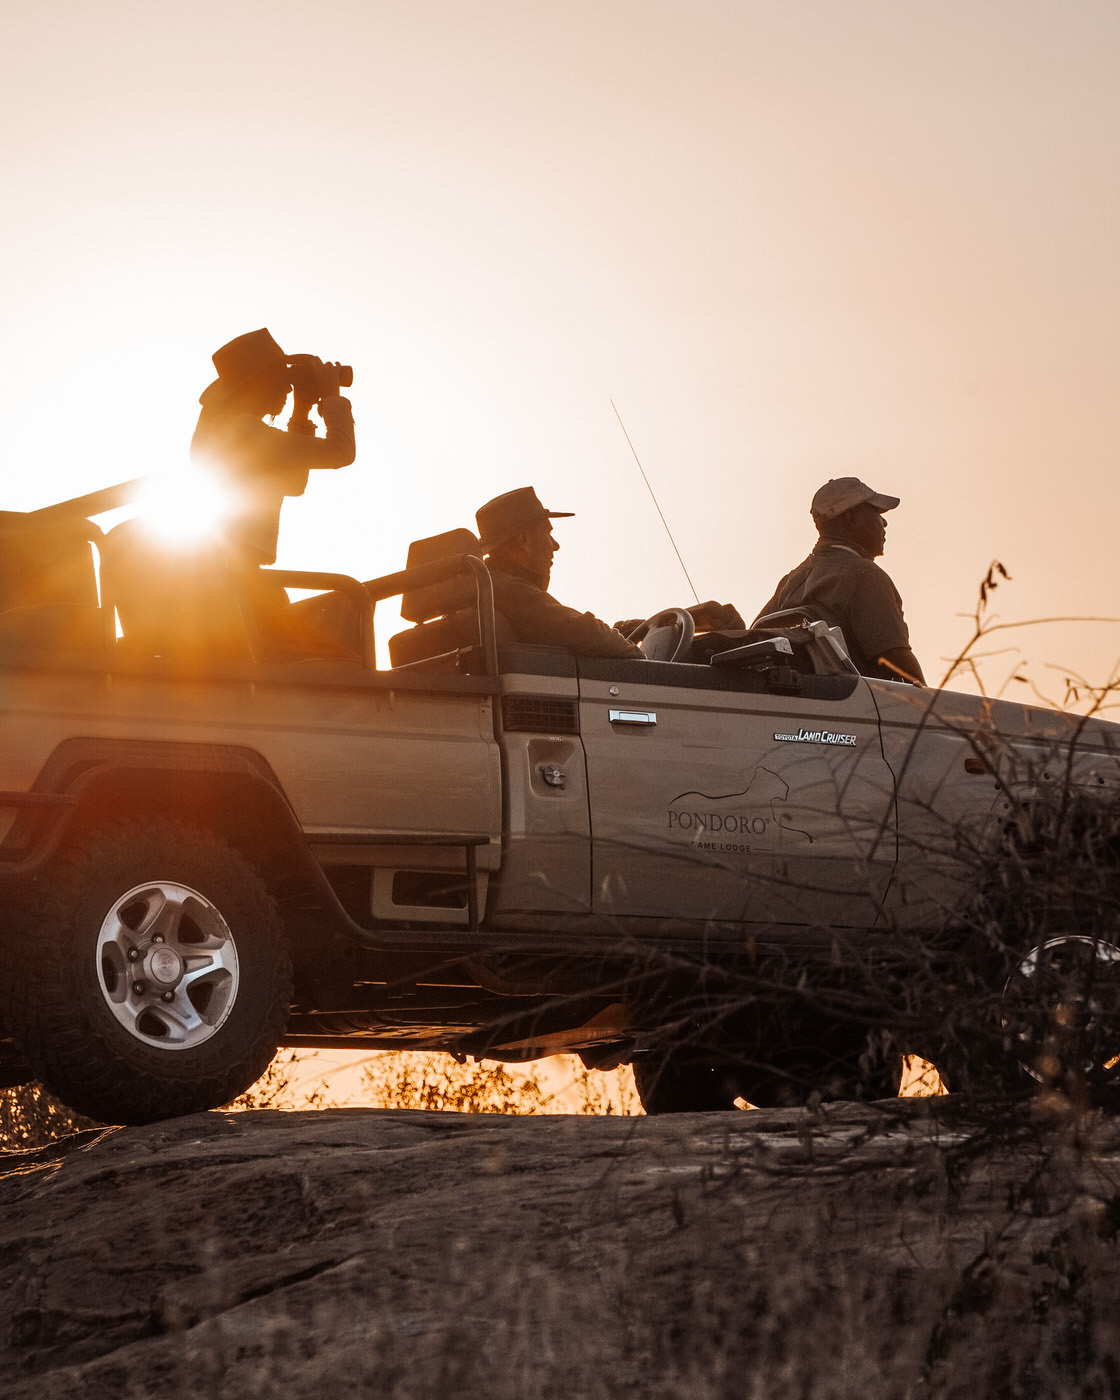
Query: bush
{"points": [[31, 1118]]}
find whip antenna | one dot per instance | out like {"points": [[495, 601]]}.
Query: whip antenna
{"points": [[649, 488]]}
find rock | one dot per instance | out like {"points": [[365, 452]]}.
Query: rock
{"points": [[896, 1249]]}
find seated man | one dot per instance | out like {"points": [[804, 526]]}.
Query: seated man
{"points": [[842, 583], [516, 536]]}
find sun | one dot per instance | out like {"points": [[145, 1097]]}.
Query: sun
{"points": [[184, 507]]}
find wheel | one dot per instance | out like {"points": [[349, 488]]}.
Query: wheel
{"points": [[782, 1063], [152, 978], [1050, 1019], [835, 1063], [666, 636], [1060, 1014], [683, 1081]]}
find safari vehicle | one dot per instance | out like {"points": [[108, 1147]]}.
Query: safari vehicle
{"points": [[710, 863]]}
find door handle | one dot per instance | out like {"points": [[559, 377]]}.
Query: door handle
{"points": [[633, 717]]}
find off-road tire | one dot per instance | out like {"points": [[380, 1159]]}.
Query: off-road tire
{"points": [[682, 1081], [63, 1019], [830, 1064], [821, 1061]]}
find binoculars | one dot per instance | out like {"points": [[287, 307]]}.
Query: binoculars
{"points": [[307, 378]]}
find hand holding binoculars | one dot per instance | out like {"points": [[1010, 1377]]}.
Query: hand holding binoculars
{"points": [[312, 378]]}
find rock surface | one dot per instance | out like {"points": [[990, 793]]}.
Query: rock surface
{"points": [[886, 1250]]}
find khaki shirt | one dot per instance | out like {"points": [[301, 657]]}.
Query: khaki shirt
{"points": [[852, 593], [538, 618]]}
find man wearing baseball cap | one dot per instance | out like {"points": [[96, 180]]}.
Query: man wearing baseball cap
{"points": [[515, 532], [845, 586]]}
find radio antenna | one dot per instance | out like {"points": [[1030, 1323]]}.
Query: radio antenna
{"points": [[649, 488]]}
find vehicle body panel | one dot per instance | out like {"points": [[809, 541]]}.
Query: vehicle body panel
{"points": [[546, 858], [718, 804], [964, 765]]}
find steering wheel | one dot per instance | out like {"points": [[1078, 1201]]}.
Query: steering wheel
{"points": [[666, 636]]}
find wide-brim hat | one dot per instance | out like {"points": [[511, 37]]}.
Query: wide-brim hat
{"points": [[844, 492], [500, 519], [241, 361]]}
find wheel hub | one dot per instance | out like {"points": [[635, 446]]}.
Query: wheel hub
{"points": [[167, 965], [163, 965]]}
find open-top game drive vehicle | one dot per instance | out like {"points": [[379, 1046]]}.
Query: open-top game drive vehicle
{"points": [[737, 865]]}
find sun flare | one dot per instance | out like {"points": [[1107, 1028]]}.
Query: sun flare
{"points": [[184, 507]]}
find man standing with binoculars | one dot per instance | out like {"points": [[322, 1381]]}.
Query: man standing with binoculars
{"points": [[198, 599], [259, 464]]}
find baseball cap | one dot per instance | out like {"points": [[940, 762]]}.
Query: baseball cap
{"points": [[844, 492]]}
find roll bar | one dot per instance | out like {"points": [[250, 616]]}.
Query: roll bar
{"points": [[365, 595]]}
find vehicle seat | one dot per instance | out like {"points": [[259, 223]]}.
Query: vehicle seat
{"points": [[45, 565], [333, 617], [445, 614], [56, 630], [172, 602], [48, 587]]}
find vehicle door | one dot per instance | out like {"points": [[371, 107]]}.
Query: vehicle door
{"points": [[712, 796]]}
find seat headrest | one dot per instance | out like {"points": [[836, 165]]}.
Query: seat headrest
{"points": [[45, 564], [437, 599]]}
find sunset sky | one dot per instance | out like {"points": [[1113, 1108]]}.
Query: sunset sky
{"points": [[791, 239]]}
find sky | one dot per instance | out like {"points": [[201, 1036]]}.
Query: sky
{"points": [[787, 239]]}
